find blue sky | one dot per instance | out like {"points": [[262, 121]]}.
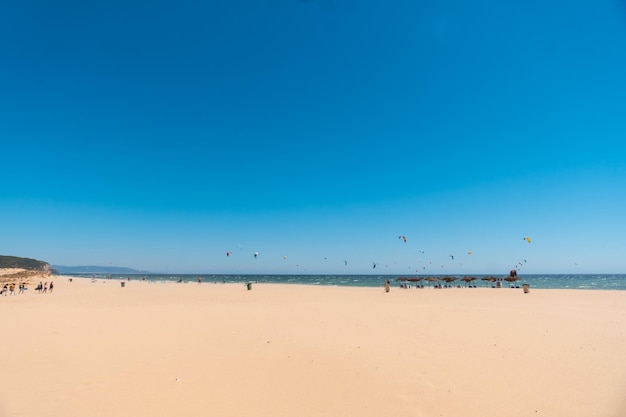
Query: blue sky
{"points": [[159, 135]]}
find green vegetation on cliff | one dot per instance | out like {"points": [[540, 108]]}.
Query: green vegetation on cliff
{"points": [[24, 263]]}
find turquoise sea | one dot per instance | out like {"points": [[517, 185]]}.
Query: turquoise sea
{"points": [[563, 281]]}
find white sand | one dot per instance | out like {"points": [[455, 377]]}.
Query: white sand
{"points": [[97, 349]]}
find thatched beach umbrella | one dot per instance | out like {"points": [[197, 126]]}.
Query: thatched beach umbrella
{"points": [[468, 280], [431, 279], [415, 280], [511, 279], [402, 280], [449, 280], [489, 278]]}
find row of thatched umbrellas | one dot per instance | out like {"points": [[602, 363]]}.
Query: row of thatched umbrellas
{"points": [[467, 279]]}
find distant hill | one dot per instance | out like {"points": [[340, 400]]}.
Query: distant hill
{"points": [[62, 269], [24, 263]]}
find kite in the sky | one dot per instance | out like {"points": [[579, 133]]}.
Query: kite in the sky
{"points": [[527, 239], [452, 256], [285, 257], [403, 238], [345, 263], [228, 253], [256, 255], [469, 252], [373, 265]]}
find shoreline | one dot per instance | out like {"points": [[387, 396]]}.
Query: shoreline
{"points": [[99, 349], [535, 281]]}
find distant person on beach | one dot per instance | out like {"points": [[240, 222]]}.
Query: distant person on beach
{"points": [[51, 286], [45, 287], [387, 285], [199, 280], [12, 289], [4, 289]]}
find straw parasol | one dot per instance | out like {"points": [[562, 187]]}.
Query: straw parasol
{"points": [[468, 280], [431, 279], [511, 279], [415, 280], [448, 279], [489, 278]]}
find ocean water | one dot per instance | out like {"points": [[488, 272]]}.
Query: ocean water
{"points": [[564, 281]]}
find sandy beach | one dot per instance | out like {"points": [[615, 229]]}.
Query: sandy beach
{"points": [[100, 349]]}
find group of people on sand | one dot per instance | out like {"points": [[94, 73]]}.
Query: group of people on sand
{"points": [[9, 289], [43, 287]]}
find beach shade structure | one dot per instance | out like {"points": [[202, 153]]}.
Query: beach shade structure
{"points": [[511, 279], [489, 278], [449, 280], [415, 280], [431, 279], [468, 280]]}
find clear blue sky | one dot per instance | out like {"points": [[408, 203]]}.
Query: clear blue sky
{"points": [[159, 135]]}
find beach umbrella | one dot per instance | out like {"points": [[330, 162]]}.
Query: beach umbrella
{"points": [[511, 279], [449, 280], [431, 279], [490, 278], [415, 279], [402, 279], [468, 280]]}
